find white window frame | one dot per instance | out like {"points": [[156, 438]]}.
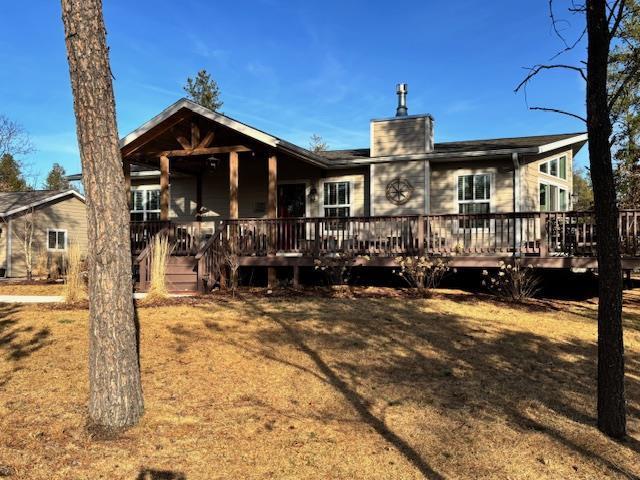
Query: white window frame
{"points": [[548, 166], [348, 205], [66, 239], [559, 186], [490, 200], [145, 211]]}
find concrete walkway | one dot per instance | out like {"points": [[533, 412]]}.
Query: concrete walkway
{"points": [[60, 298]]}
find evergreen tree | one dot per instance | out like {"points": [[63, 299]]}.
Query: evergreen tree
{"points": [[582, 190], [56, 179], [11, 176], [204, 90]]}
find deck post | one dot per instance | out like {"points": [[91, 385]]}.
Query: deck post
{"points": [[420, 235], [544, 243], [272, 212], [164, 188], [296, 276]]}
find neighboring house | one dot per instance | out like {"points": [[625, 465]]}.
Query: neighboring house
{"points": [[55, 219], [205, 176]]}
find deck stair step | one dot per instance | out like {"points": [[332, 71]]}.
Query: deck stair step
{"points": [[181, 274]]}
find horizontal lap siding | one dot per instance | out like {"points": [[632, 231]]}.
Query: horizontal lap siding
{"points": [[3, 244], [69, 214], [413, 172], [444, 181], [399, 136]]}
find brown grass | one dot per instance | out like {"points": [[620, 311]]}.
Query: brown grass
{"points": [[454, 386], [31, 288], [159, 258]]}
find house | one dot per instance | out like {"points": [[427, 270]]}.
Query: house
{"points": [[211, 180], [50, 218]]}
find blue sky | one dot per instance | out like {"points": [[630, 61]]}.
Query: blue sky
{"points": [[294, 68]]}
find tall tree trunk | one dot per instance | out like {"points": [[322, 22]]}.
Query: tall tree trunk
{"points": [[611, 404], [114, 371]]}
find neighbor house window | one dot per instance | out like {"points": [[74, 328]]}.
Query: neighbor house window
{"points": [[553, 198], [337, 199], [56, 239], [474, 195], [556, 167], [145, 204]]}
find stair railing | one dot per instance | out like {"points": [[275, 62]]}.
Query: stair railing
{"points": [[210, 259]]}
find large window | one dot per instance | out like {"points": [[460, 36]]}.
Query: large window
{"points": [[553, 198], [56, 239], [337, 199], [556, 167], [474, 197], [145, 204]]}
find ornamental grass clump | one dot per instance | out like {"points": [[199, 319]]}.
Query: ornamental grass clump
{"points": [[512, 282], [74, 286], [159, 258], [423, 273]]}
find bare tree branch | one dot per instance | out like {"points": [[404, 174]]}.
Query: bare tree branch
{"points": [[533, 71], [562, 112], [14, 139], [616, 15]]}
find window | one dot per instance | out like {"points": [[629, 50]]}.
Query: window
{"points": [[553, 198], [556, 167], [56, 239], [563, 167], [337, 199], [474, 195], [145, 205]]}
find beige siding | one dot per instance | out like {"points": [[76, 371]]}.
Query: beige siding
{"points": [[3, 244], [401, 136], [68, 214], [532, 176], [384, 173], [444, 184]]}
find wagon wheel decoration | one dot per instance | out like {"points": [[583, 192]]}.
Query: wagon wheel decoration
{"points": [[399, 191]]}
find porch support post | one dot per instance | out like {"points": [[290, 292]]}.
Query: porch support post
{"points": [[126, 169], [164, 188], [272, 212], [199, 197], [233, 185]]}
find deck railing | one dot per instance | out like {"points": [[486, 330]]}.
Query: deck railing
{"points": [[526, 233]]}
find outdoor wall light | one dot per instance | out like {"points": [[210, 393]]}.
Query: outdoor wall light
{"points": [[313, 195]]}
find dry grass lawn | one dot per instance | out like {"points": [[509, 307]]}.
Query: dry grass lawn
{"points": [[456, 386], [34, 288]]}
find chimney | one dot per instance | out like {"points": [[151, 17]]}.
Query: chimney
{"points": [[403, 134], [402, 89]]}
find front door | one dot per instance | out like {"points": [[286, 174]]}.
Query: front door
{"points": [[292, 201]]}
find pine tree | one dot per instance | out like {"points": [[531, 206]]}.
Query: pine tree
{"points": [[56, 179], [11, 177], [204, 90]]}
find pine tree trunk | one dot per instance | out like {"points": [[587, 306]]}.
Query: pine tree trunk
{"points": [[611, 404], [114, 371]]}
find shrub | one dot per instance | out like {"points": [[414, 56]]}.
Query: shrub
{"points": [[41, 268], [74, 288], [159, 257], [513, 282], [423, 273], [337, 267]]}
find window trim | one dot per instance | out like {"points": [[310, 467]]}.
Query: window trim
{"points": [[559, 186], [492, 190], [548, 161], [66, 239], [348, 205], [145, 212]]}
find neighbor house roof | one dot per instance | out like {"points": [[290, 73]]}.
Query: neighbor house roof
{"points": [[16, 202]]}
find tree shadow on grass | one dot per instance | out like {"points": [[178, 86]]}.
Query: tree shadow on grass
{"points": [[152, 474], [16, 341], [477, 370]]}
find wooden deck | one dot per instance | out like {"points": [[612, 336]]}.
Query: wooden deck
{"points": [[545, 240]]}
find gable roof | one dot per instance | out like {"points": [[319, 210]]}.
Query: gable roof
{"points": [[16, 202]]}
